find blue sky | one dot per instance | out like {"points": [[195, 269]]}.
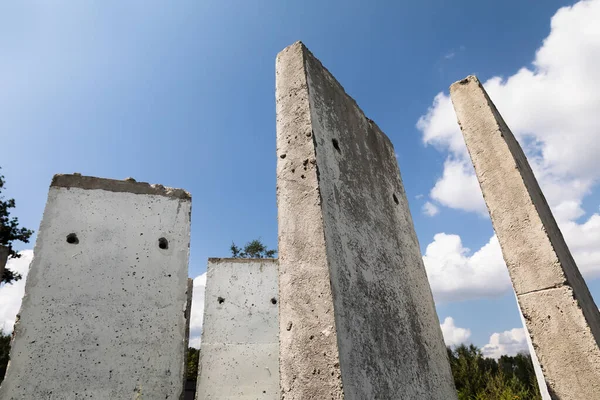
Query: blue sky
{"points": [[182, 94]]}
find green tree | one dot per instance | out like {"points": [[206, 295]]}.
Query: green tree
{"points": [[10, 232], [192, 364], [4, 353], [253, 249], [480, 378]]}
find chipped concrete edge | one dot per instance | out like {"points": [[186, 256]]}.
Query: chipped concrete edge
{"points": [[114, 185]]}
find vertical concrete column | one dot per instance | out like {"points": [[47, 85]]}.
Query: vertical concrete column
{"points": [[239, 354], [562, 319], [104, 314], [3, 260], [357, 318]]}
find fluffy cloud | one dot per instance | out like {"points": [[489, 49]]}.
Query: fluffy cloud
{"points": [[506, 343], [453, 335], [551, 107], [457, 180], [12, 294], [430, 209], [455, 274], [197, 311]]}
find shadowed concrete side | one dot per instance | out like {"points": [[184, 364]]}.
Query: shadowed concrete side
{"points": [[356, 305], [561, 316], [104, 313], [239, 353]]}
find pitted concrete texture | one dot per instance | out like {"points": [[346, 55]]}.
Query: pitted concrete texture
{"points": [[562, 319], [539, 374], [3, 259], [357, 318], [240, 337], [104, 312]]}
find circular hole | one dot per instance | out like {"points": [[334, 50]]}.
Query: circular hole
{"points": [[220, 300], [273, 300], [72, 238], [163, 243]]}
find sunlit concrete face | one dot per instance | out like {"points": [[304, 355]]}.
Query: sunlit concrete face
{"points": [[105, 309]]}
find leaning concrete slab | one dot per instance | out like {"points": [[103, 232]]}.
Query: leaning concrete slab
{"points": [[562, 319], [104, 312], [239, 353], [357, 318]]}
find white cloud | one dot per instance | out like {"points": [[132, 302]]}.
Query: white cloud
{"points": [[456, 275], [551, 107], [12, 294], [506, 343], [450, 55], [430, 209], [453, 335], [197, 311], [458, 188]]}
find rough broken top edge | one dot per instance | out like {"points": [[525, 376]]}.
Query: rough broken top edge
{"points": [[465, 81], [114, 185], [216, 260], [307, 53]]}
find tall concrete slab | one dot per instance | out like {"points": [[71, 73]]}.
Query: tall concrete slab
{"points": [[239, 353], [357, 317], [562, 319], [104, 312]]}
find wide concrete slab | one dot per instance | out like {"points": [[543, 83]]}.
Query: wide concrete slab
{"points": [[240, 337], [104, 312], [562, 319], [357, 318]]}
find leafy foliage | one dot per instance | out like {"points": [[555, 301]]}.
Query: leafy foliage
{"points": [[10, 232], [479, 378], [4, 353], [192, 364], [253, 249]]}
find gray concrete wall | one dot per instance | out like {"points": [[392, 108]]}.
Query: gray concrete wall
{"points": [[3, 259], [240, 339], [562, 319], [104, 312], [357, 318]]}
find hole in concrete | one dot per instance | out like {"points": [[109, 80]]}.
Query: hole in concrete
{"points": [[395, 199], [220, 300], [336, 145], [72, 238], [163, 243], [273, 300], [282, 156]]}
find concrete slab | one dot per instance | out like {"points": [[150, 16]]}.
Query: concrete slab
{"points": [[562, 319], [239, 354], [357, 318], [104, 312]]}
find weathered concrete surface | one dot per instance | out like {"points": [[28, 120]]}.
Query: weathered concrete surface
{"points": [[239, 354], [104, 312], [3, 259], [357, 318], [562, 319], [539, 374]]}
